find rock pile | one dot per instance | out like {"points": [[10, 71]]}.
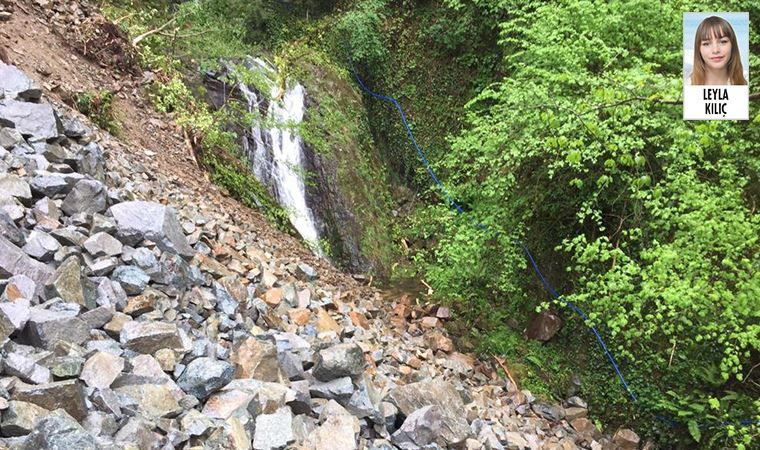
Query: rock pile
{"points": [[132, 323]]}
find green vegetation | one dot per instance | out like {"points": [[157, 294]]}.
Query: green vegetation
{"points": [[98, 106], [643, 220], [556, 123]]}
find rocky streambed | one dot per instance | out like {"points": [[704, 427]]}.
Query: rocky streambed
{"points": [[134, 314]]}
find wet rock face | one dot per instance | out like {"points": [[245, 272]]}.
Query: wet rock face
{"points": [[134, 314]]}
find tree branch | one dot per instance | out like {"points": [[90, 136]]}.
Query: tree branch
{"points": [[139, 38]]}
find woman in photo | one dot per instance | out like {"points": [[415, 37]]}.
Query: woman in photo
{"points": [[716, 55]]}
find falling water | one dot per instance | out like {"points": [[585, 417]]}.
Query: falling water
{"points": [[277, 153]]}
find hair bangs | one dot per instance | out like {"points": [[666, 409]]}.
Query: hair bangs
{"points": [[714, 27]]}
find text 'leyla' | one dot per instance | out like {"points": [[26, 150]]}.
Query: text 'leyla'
{"points": [[715, 94]]}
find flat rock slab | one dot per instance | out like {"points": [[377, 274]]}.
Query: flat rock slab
{"points": [[148, 337], [138, 220], [35, 120], [68, 395]]}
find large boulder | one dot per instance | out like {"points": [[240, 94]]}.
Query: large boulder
{"points": [[204, 376], [59, 431], [16, 84], [413, 396], [88, 196], [36, 121], [138, 220], [339, 361]]}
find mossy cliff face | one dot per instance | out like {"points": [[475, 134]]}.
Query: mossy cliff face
{"points": [[345, 183]]}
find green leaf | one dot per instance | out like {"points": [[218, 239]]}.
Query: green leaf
{"points": [[694, 430]]}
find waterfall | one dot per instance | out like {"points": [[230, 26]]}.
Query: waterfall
{"points": [[275, 154]]}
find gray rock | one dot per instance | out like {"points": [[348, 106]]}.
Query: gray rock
{"points": [[65, 367], [98, 423], [274, 431], [153, 401], [419, 429], [92, 162], [132, 279], [195, 423], [103, 244], [38, 121], [16, 84], [59, 431], [110, 293], [138, 220], [103, 266], [172, 271], [41, 246], [68, 395], [49, 185], [553, 413], [19, 286], [13, 261], [87, 196], [339, 361], [9, 230], [14, 186], [577, 402], [148, 337], [339, 389], [20, 418], [17, 312], [413, 396], [203, 376], [305, 272], [67, 282], [73, 127], [144, 259], [97, 317], [16, 364], [10, 137], [45, 327], [69, 236]]}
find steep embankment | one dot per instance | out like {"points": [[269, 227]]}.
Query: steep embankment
{"points": [[142, 308]]}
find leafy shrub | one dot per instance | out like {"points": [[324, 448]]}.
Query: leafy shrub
{"points": [[582, 152], [98, 106]]}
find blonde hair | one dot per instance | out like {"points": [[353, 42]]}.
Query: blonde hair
{"points": [[720, 28]]}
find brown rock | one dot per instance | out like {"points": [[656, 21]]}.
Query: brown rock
{"points": [[327, 323], [257, 359], [575, 413], [114, 326], [543, 326], [430, 322], [626, 439], [273, 297], [141, 304], [299, 316], [101, 369], [437, 341], [443, 313], [584, 427], [359, 320]]}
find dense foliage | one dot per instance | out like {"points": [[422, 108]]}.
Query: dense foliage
{"points": [[581, 152]]}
